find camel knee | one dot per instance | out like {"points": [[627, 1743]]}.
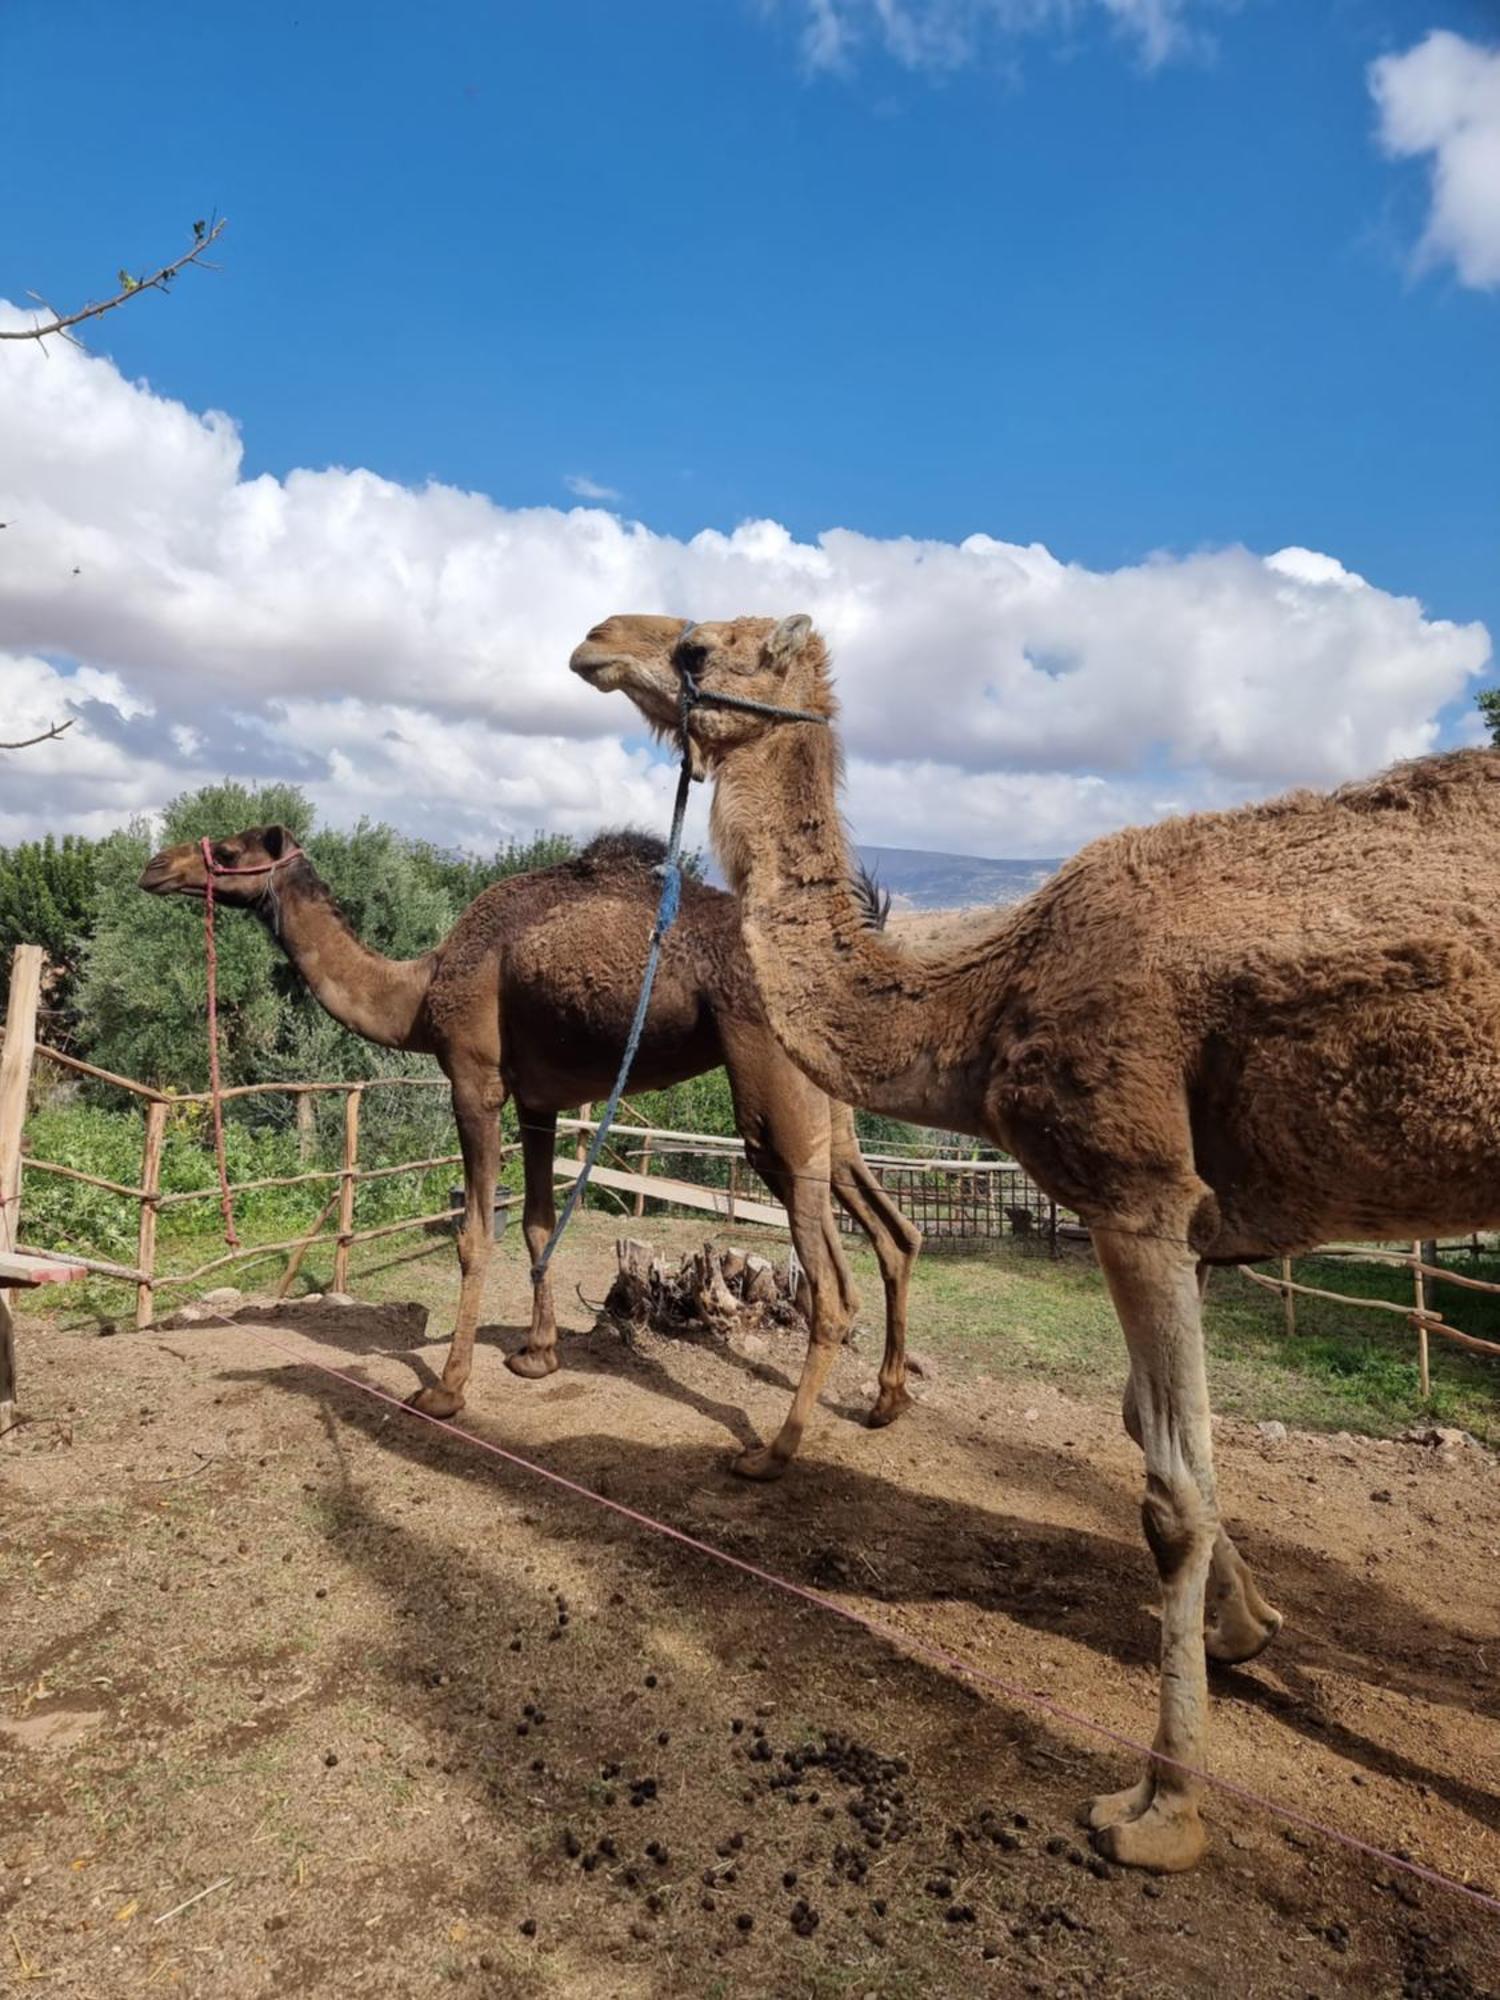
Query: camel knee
{"points": [[1180, 1527]]}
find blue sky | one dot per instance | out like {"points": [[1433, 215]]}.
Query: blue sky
{"points": [[1048, 290]]}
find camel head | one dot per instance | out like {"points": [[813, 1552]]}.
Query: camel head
{"points": [[180, 870], [780, 662]]}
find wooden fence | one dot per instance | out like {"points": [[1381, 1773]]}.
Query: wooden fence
{"points": [[955, 1202]]}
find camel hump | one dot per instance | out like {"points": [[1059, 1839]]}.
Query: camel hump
{"points": [[621, 847]]}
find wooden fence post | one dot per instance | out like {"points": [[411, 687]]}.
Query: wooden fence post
{"points": [[1419, 1297], [1288, 1298], [347, 1188], [145, 1250], [640, 1200], [15, 1081], [581, 1146]]}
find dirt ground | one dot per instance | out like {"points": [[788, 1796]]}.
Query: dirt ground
{"points": [[406, 1720]]}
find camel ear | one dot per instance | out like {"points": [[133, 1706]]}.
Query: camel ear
{"points": [[790, 636], [274, 841]]}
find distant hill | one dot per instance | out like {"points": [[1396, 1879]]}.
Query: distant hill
{"points": [[918, 880]]}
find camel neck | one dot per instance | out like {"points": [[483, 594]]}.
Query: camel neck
{"points": [[872, 1024], [380, 999]]}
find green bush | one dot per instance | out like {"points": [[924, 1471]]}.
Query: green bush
{"points": [[98, 1140]]}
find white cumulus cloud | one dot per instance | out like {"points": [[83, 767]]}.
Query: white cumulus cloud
{"points": [[402, 651], [1440, 101]]}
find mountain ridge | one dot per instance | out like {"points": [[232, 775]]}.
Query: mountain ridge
{"points": [[919, 878]]}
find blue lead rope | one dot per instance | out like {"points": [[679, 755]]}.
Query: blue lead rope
{"points": [[691, 696], [666, 916]]}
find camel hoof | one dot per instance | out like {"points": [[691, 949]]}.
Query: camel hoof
{"points": [[761, 1463], [1237, 1636], [887, 1407], [435, 1401], [1167, 1838], [533, 1362]]}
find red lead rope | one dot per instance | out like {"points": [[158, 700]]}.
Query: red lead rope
{"points": [[211, 870], [211, 959]]}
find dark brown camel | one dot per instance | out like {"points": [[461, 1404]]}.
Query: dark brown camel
{"points": [[530, 996]]}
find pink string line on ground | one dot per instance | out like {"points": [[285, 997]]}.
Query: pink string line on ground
{"points": [[892, 1635]]}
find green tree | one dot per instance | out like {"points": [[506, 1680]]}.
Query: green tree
{"points": [[47, 898], [1488, 703], [463, 876]]}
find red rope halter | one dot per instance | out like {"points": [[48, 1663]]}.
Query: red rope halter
{"points": [[212, 869]]}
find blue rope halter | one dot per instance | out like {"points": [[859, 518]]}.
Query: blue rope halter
{"points": [[689, 697]]}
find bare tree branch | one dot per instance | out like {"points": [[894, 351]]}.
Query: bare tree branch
{"points": [[46, 736], [204, 234]]}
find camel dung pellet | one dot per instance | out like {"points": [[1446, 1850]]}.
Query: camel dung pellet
{"points": [[744, 1921], [528, 1927]]}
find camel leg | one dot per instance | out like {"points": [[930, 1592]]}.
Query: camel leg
{"points": [[1155, 1824], [896, 1241], [477, 1099], [1241, 1624], [804, 1194], [839, 1273], [538, 1145]]}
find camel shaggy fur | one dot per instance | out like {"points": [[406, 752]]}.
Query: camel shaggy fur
{"points": [[1227, 1036], [530, 996]]}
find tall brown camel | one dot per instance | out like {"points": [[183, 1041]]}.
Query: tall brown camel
{"points": [[530, 996], [1228, 1036]]}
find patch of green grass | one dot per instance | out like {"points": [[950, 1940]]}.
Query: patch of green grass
{"points": [[1009, 1309]]}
